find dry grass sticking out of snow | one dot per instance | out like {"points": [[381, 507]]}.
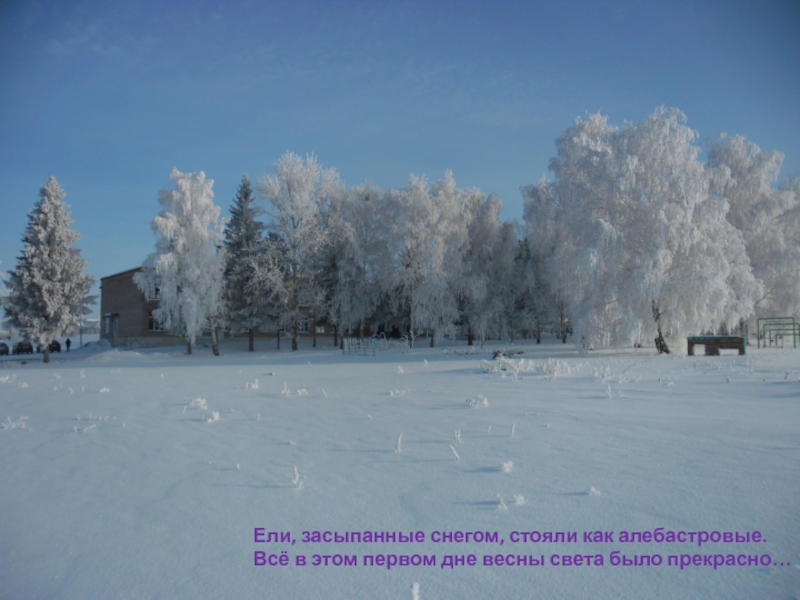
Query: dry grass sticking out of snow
{"points": [[18, 424]]}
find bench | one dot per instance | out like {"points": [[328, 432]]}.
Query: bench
{"points": [[714, 343]]}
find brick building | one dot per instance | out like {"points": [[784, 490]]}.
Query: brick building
{"points": [[126, 316]]}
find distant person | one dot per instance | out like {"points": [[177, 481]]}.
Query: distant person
{"points": [[68, 343]]}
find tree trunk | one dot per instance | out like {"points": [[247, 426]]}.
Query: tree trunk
{"points": [[470, 337], [188, 346], [250, 336], [295, 335], [433, 338], [335, 336], [46, 358], [538, 336], [313, 330], [279, 338], [661, 343], [215, 340]]}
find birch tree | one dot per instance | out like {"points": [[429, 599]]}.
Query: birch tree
{"points": [[643, 244], [296, 198], [187, 265]]}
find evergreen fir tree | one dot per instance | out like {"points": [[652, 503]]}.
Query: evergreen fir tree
{"points": [[244, 303], [47, 291]]}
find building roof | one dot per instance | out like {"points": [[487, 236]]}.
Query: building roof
{"points": [[121, 273]]}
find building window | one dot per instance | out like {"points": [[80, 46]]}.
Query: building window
{"points": [[154, 297], [152, 323], [303, 326]]}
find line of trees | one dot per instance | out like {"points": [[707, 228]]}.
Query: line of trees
{"points": [[635, 238]]}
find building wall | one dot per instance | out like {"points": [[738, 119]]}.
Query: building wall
{"points": [[120, 296]]}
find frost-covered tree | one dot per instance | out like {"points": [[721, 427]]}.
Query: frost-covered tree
{"points": [[187, 266], [246, 307], [767, 218], [542, 238], [428, 241], [643, 247], [357, 256], [48, 293], [477, 293], [296, 198]]}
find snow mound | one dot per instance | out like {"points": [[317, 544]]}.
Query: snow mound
{"points": [[549, 368]]}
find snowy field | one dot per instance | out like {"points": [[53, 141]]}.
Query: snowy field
{"points": [[146, 474]]}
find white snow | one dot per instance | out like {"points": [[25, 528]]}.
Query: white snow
{"points": [[153, 502]]}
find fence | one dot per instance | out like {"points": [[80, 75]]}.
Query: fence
{"points": [[364, 347], [773, 330]]}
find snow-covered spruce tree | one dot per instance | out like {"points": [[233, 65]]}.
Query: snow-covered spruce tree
{"points": [[766, 217], [187, 266], [643, 246], [534, 304], [48, 293], [245, 306], [296, 197]]}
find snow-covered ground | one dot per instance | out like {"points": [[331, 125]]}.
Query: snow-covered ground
{"points": [[146, 474]]}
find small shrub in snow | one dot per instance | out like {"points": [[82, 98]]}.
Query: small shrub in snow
{"points": [[400, 370], [399, 446], [414, 591], [519, 499], [513, 429], [480, 402], [198, 403], [507, 467], [214, 417], [593, 491], [286, 391], [500, 504], [105, 390], [302, 392], [457, 436], [18, 424], [84, 430], [251, 386], [296, 481]]}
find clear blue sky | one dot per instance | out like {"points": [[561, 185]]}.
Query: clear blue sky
{"points": [[109, 96]]}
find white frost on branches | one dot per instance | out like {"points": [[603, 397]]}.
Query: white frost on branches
{"points": [[187, 266], [642, 246], [48, 293]]}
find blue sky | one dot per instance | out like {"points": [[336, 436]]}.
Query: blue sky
{"points": [[109, 96]]}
